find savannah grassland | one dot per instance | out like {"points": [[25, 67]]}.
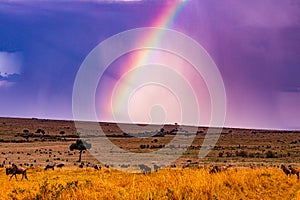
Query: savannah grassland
{"points": [[261, 183], [254, 154]]}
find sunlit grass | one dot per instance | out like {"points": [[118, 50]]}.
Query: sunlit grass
{"points": [[73, 183]]}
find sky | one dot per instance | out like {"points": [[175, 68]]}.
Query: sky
{"points": [[254, 44]]}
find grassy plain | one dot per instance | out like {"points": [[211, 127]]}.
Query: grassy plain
{"points": [[74, 183], [254, 154], [239, 147]]}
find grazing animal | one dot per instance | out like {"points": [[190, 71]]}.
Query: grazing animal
{"points": [[60, 165], [50, 166], [145, 169], [96, 167], [156, 167], [173, 166], [294, 171], [14, 170], [81, 165], [214, 170], [285, 170], [217, 169]]}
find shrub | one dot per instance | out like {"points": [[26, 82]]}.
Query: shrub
{"points": [[243, 154], [271, 154], [221, 154], [229, 154]]}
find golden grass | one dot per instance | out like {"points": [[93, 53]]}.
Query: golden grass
{"points": [[71, 183]]}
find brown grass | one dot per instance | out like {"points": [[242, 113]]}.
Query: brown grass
{"points": [[243, 183]]}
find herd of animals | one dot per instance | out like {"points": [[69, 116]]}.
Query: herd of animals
{"points": [[289, 171], [14, 169]]}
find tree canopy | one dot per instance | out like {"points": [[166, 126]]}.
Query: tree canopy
{"points": [[81, 146]]}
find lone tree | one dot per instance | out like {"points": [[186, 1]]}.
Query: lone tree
{"points": [[80, 146]]}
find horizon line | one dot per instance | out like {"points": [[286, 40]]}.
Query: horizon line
{"points": [[143, 123]]}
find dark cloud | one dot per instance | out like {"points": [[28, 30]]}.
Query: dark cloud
{"points": [[9, 77]]}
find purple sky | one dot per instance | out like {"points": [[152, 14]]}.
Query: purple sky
{"points": [[255, 44]]}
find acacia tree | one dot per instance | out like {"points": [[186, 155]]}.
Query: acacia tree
{"points": [[80, 146]]}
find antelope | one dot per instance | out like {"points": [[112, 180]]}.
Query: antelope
{"points": [[294, 171], [60, 165], [50, 166], [285, 170], [14, 170], [96, 167], [144, 168], [217, 169]]}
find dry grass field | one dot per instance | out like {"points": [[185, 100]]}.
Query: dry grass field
{"points": [[74, 183], [254, 154]]}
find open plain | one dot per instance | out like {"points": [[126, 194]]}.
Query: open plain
{"points": [[254, 157]]}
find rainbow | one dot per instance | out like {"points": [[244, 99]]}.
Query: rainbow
{"points": [[165, 19]]}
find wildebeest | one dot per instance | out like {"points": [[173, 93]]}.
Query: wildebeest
{"points": [[81, 165], [285, 170], [50, 166], [156, 167], [173, 166], [294, 171], [144, 168], [14, 170], [217, 169], [60, 165], [96, 167]]}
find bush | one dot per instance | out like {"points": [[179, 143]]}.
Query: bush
{"points": [[243, 154], [229, 154], [39, 131], [271, 154]]}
